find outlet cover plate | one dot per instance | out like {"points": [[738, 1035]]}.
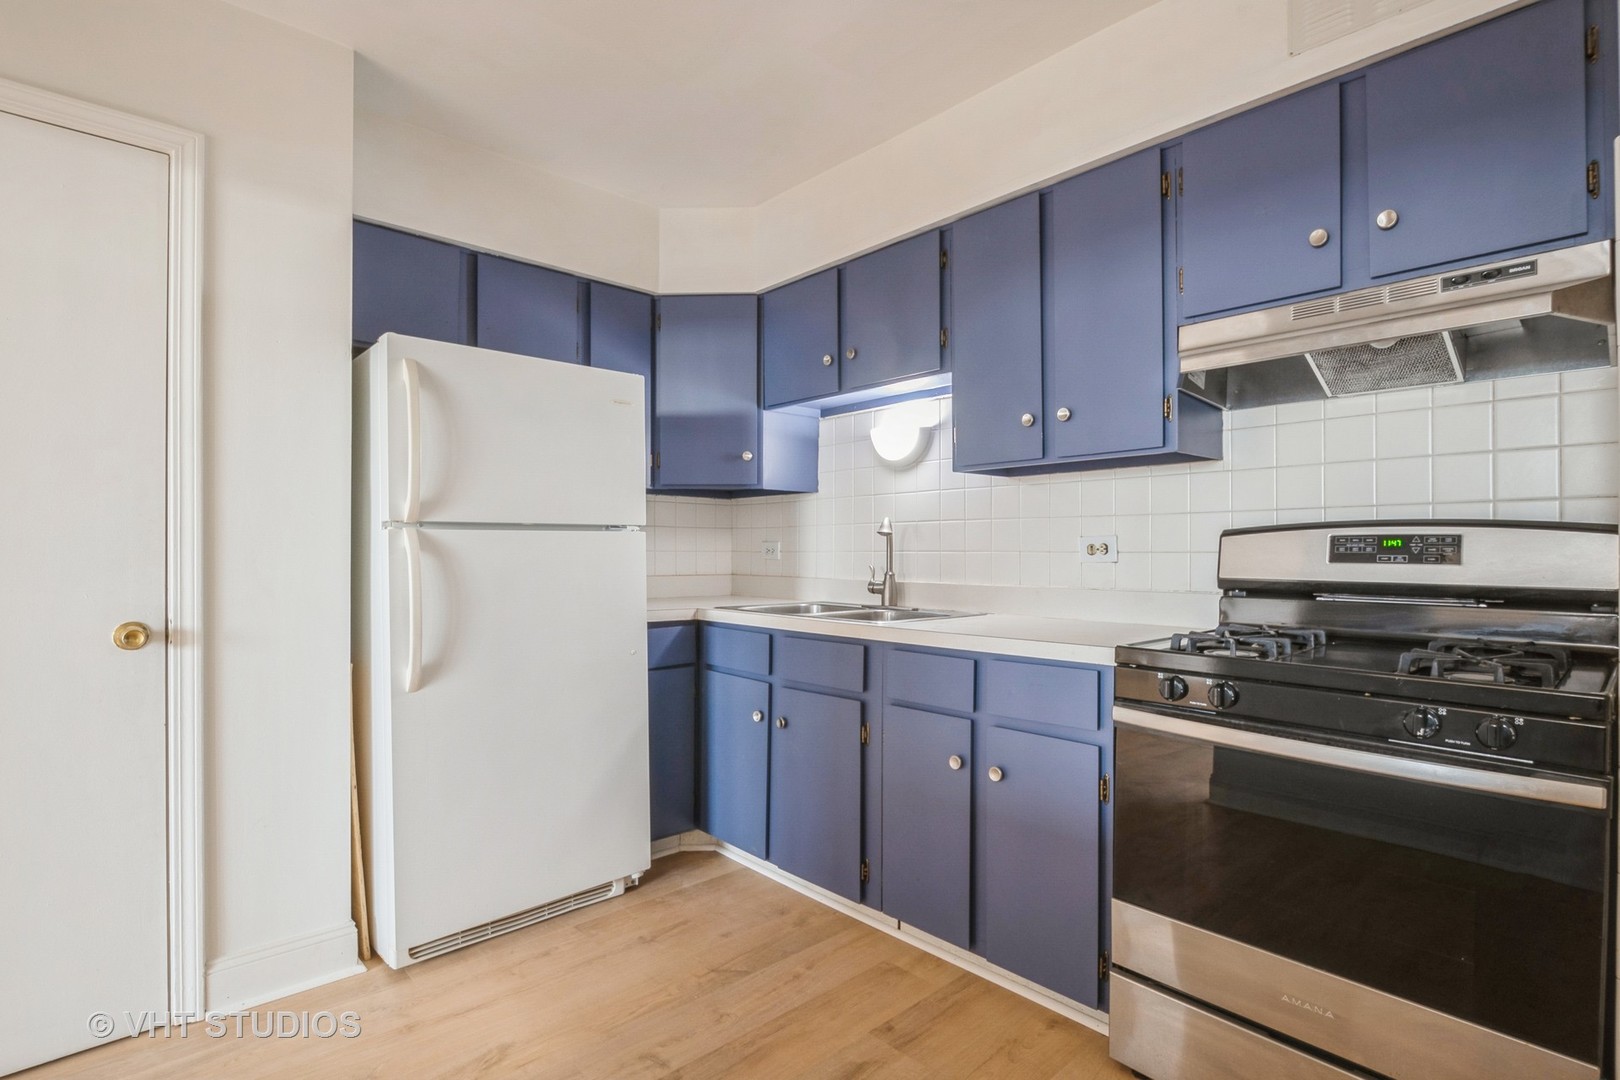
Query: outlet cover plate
{"points": [[771, 549], [1099, 549]]}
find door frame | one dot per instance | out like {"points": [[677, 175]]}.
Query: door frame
{"points": [[184, 609]]}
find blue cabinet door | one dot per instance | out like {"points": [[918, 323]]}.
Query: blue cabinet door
{"points": [[890, 313], [995, 260], [672, 749], [1477, 142], [927, 821], [1105, 348], [1040, 859], [621, 339], [707, 406], [799, 340], [527, 309], [1253, 190], [815, 818], [736, 759], [405, 284]]}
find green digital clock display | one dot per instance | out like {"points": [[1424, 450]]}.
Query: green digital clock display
{"points": [[1393, 542]]}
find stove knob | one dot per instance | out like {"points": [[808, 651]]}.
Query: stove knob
{"points": [[1223, 695], [1172, 687], [1421, 723], [1498, 733]]}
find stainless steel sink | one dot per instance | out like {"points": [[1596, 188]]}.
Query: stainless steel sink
{"points": [[814, 607], [888, 615]]}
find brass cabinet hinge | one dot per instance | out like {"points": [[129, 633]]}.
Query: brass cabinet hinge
{"points": [[1102, 966], [1168, 414], [658, 321], [1164, 185], [1594, 178], [1592, 44], [944, 258], [944, 336], [866, 734], [1181, 182], [866, 871], [1102, 788], [1181, 279]]}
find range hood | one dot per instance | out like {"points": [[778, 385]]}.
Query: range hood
{"points": [[1549, 312]]}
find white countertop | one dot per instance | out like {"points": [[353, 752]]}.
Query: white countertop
{"points": [[1042, 638]]}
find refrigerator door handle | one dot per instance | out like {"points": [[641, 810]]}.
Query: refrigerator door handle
{"points": [[413, 437], [413, 609]]}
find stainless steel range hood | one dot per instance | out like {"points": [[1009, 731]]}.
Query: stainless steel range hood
{"points": [[1548, 312]]}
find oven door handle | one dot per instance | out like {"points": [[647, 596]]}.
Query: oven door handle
{"points": [[1589, 795]]}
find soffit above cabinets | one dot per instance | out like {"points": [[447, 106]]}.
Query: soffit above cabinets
{"points": [[704, 103]]}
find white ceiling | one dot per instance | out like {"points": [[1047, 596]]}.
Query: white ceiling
{"points": [[686, 102]]}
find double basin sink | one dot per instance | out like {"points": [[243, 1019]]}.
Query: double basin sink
{"points": [[822, 609]]}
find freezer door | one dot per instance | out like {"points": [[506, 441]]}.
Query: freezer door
{"points": [[518, 765], [474, 435]]}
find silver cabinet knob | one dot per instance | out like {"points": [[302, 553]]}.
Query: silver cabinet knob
{"points": [[826, 360], [1318, 237], [996, 774], [781, 721], [748, 455], [1063, 415], [1388, 219], [955, 762], [1028, 419], [849, 353], [758, 716]]}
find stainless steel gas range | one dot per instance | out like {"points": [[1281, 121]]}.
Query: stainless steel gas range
{"points": [[1364, 826]]}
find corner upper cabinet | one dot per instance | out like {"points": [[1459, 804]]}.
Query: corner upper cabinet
{"points": [[407, 284], [527, 309], [1259, 201], [799, 340], [1477, 143], [996, 324], [707, 403], [890, 314], [621, 339]]}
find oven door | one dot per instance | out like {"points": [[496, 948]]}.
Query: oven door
{"points": [[1402, 915]]}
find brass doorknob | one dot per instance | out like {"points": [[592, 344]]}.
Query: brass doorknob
{"points": [[131, 635]]}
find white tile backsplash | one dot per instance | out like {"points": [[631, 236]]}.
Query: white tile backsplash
{"points": [[1536, 448]]}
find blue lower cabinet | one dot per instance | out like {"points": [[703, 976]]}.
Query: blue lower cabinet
{"points": [[736, 759], [927, 821], [672, 749], [1040, 885], [815, 789]]}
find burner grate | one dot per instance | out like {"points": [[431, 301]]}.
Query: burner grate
{"points": [[1256, 641], [1499, 663]]}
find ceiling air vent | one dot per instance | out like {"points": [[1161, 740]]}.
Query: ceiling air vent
{"points": [[1317, 22]]}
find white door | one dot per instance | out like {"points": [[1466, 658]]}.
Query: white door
{"points": [[488, 436], [519, 764], [83, 346]]}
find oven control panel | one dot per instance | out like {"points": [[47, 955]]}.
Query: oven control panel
{"points": [[1396, 549]]}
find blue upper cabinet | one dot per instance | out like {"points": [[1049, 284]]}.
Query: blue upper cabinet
{"points": [[995, 268], [707, 406], [799, 340], [1260, 197], [1478, 143], [1106, 364], [527, 309], [405, 284], [621, 339], [890, 315]]}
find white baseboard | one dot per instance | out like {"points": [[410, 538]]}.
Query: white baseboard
{"points": [[251, 978], [967, 961]]}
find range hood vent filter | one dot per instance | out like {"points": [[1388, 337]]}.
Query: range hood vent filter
{"points": [[1422, 360]]}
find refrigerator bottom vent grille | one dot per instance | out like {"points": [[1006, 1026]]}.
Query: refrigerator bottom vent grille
{"points": [[516, 921]]}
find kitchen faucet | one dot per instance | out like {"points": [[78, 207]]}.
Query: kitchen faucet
{"points": [[884, 586]]}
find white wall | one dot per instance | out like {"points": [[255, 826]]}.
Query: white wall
{"points": [[1160, 72], [429, 183], [275, 106]]}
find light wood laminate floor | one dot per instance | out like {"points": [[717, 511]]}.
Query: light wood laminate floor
{"points": [[706, 970]]}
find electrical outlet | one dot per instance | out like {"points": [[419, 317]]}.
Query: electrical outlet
{"points": [[771, 549], [1099, 549]]}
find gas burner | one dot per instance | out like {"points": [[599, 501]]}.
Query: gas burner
{"points": [[1243, 639], [1476, 660]]}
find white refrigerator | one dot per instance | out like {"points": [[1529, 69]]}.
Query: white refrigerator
{"points": [[500, 629]]}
